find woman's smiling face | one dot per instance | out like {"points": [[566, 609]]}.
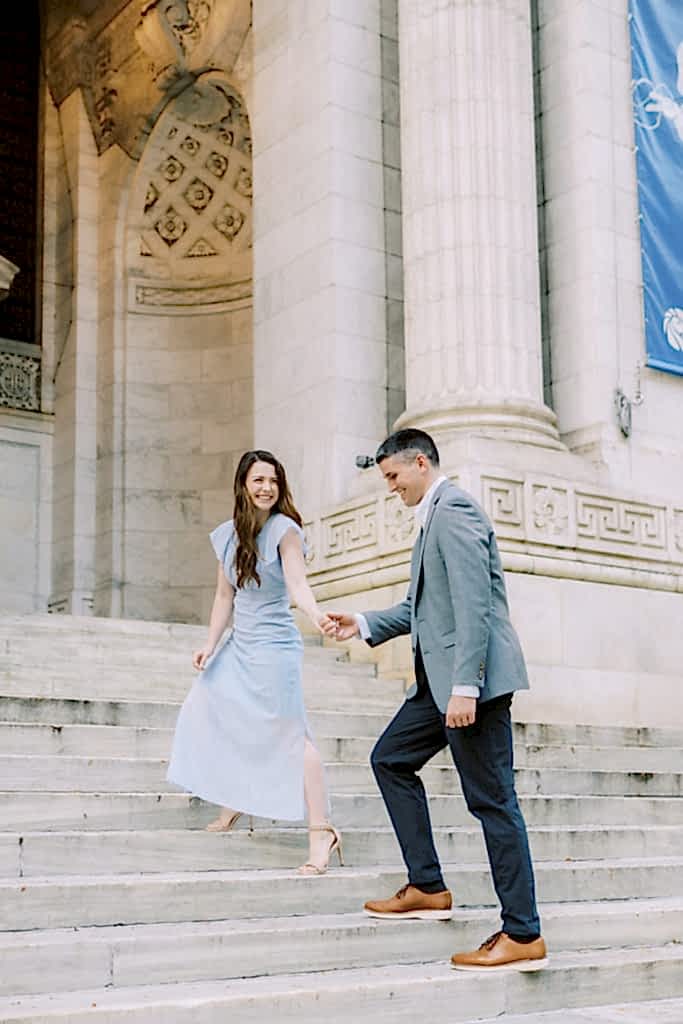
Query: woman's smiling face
{"points": [[262, 486]]}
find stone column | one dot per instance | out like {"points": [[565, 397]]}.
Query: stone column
{"points": [[320, 275], [470, 250], [75, 400]]}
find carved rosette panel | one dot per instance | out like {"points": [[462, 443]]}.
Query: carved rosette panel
{"points": [[311, 548], [503, 500], [196, 210], [677, 532], [350, 531], [19, 382], [548, 509], [610, 522], [399, 524]]}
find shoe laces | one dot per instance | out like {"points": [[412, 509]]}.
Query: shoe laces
{"points": [[402, 891], [491, 941]]}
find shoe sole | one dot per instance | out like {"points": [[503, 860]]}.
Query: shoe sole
{"points": [[517, 965], [419, 915]]}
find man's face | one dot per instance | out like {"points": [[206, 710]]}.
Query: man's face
{"points": [[409, 478]]}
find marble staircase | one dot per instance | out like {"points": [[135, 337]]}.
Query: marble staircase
{"points": [[116, 905]]}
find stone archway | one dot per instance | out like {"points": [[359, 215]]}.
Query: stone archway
{"points": [[188, 347]]}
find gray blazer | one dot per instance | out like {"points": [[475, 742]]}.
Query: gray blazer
{"points": [[456, 607]]}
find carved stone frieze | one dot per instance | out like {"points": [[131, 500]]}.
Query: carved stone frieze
{"points": [[534, 518], [155, 299]]}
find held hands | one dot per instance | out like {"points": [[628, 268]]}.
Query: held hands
{"points": [[200, 658], [326, 625], [346, 625], [461, 711]]}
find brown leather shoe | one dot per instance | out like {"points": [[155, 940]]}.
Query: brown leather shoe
{"points": [[501, 953], [411, 902]]}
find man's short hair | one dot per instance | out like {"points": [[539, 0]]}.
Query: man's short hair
{"points": [[408, 443]]}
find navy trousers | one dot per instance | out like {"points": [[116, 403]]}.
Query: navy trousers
{"points": [[483, 757]]}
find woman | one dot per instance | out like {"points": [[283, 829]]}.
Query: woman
{"points": [[242, 739]]}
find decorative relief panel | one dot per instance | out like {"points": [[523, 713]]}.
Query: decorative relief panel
{"points": [[19, 381], [503, 500], [399, 523], [195, 210], [350, 531], [545, 515], [548, 509], [677, 538], [608, 520]]}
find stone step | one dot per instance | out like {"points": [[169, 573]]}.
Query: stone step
{"points": [[654, 1011], [140, 741], [64, 656], [157, 714], [33, 854], [203, 951], [400, 993], [352, 722], [74, 901], [123, 774], [45, 810], [326, 687]]}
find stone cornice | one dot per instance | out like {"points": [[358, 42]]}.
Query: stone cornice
{"points": [[545, 525]]}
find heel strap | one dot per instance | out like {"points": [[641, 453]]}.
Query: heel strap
{"points": [[322, 828]]}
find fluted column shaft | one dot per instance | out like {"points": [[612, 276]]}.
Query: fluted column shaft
{"points": [[470, 249]]}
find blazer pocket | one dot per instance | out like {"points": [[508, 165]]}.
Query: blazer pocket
{"points": [[448, 639]]}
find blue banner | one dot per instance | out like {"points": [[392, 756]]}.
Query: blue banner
{"points": [[657, 61]]}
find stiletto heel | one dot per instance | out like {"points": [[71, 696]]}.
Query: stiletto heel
{"points": [[251, 823], [336, 845]]}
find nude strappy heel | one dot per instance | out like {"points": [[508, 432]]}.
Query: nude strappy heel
{"points": [[336, 845], [227, 826]]}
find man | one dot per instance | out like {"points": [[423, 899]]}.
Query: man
{"points": [[468, 663]]}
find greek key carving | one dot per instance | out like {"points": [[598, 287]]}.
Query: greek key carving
{"points": [[620, 522], [503, 500], [350, 531]]}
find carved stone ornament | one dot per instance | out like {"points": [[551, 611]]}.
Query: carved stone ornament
{"points": [[19, 381], [191, 205], [8, 272], [550, 511], [169, 32]]}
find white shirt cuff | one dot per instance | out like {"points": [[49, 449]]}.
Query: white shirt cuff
{"points": [[363, 627], [465, 691]]}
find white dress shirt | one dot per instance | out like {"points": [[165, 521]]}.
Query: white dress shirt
{"points": [[422, 510]]}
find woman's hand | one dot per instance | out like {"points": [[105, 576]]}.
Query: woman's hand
{"points": [[200, 658], [326, 625]]}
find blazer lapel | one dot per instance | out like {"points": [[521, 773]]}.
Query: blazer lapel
{"points": [[417, 568]]}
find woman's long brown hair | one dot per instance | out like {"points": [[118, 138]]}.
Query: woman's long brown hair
{"points": [[245, 521]]}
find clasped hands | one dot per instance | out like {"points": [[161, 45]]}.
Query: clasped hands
{"points": [[461, 711]]}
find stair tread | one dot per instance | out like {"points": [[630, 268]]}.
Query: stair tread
{"points": [[419, 976], [291, 924], [286, 874]]}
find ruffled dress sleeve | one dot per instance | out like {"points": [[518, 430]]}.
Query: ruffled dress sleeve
{"points": [[275, 530], [221, 538]]}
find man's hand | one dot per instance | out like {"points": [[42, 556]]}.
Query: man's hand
{"points": [[461, 711], [346, 625]]}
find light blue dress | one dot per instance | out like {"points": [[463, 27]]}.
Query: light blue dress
{"points": [[239, 739]]}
